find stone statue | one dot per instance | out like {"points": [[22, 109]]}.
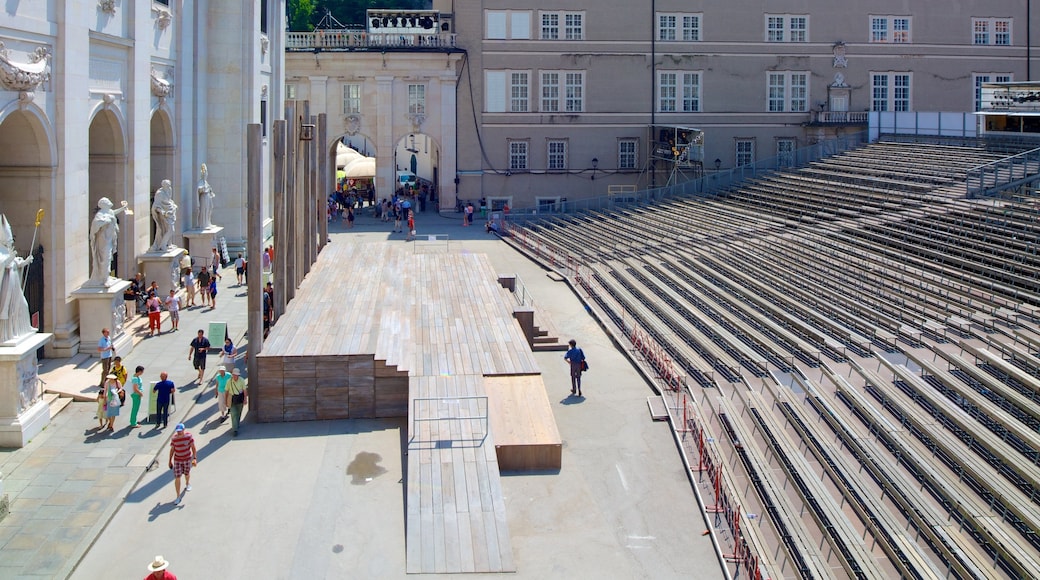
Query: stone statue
{"points": [[103, 231], [206, 197], [164, 213], [14, 310]]}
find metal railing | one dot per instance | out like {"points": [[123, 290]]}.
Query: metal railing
{"points": [[428, 409], [362, 39], [1004, 173], [840, 117]]}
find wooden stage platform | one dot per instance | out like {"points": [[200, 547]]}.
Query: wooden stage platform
{"points": [[378, 330]]}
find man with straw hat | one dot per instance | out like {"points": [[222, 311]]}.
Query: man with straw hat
{"points": [[157, 570]]}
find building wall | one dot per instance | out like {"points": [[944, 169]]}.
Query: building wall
{"points": [[733, 58], [98, 126]]}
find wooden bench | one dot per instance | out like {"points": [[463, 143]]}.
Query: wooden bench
{"points": [[526, 437]]}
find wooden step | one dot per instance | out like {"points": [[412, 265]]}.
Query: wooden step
{"points": [[56, 402]]}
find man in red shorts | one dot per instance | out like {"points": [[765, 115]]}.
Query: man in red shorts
{"points": [[183, 457]]}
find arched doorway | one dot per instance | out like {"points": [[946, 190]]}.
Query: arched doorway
{"points": [[162, 158], [107, 154], [354, 157], [417, 167], [27, 186]]}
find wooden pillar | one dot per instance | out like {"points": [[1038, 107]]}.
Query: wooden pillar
{"points": [[307, 199], [324, 187], [285, 251], [279, 214], [254, 244]]}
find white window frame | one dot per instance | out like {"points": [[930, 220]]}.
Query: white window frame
{"points": [[628, 159], [978, 79], [556, 155], [352, 98], [290, 91], [984, 31], [519, 91], [503, 94], [785, 148], [679, 26], [507, 25], [889, 29], [787, 28], [561, 25], [743, 151], [886, 96], [549, 83], [416, 99], [679, 91], [562, 91], [574, 91], [547, 203], [519, 155], [787, 91]]}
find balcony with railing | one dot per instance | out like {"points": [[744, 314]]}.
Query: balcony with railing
{"points": [[347, 40], [837, 118]]}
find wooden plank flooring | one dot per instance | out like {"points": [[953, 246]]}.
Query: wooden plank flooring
{"points": [[526, 437]]}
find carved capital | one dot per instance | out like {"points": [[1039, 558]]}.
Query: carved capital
{"points": [[163, 17], [25, 97], [107, 6], [24, 76], [161, 86]]}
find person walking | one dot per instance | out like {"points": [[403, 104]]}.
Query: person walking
{"points": [[111, 401], [164, 391], [240, 268], [136, 392], [183, 456], [576, 357], [197, 353], [222, 377], [106, 350], [237, 398], [204, 278], [157, 570], [119, 370], [411, 226], [213, 292], [228, 353], [214, 261], [173, 304], [102, 406], [154, 307]]}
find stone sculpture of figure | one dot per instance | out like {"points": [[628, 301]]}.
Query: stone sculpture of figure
{"points": [[164, 213], [103, 231], [206, 196], [14, 310]]}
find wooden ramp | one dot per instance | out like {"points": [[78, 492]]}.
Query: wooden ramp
{"points": [[456, 516], [526, 437]]}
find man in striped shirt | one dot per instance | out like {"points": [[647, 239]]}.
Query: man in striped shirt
{"points": [[183, 457]]}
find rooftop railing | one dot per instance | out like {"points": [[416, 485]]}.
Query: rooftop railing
{"points": [[362, 39]]}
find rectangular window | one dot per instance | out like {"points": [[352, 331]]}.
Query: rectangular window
{"points": [[678, 26], [290, 92], [745, 152], [787, 92], [550, 92], [556, 155], [890, 29], [667, 83], [979, 79], [628, 155], [573, 24], [774, 29], [890, 92], [495, 91], [548, 204], [785, 152], [507, 25], [517, 155], [991, 31], [263, 16], [417, 99], [574, 86], [351, 99], [518, 92], [787, 28], [679, 91]]}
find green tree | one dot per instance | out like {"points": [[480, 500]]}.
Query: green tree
{"points": [[353, 11], [300, 13]]}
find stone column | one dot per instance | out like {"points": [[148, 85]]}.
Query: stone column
{"points": [[254, 243], [386, 176], [447, 189], [285, 250]]}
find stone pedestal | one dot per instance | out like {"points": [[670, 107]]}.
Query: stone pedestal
{"points": [[23, 413], [103, 307], [202, 242], [163, 268]]}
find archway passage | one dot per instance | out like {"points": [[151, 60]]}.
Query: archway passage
{"points": [[26, 185], [416, 169], [354, 165], [107, 155]]}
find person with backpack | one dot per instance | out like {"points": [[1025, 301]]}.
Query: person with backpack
{"points": [[576, 358]]}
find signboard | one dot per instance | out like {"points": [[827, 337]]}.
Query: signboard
{"points": [[217, 333]]}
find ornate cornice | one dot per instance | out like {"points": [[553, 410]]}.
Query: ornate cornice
{"points": [[161, 87], [163, 17], [24, 76]]}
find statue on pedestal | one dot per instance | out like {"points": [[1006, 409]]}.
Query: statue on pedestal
{"points": [[14, 310], [103, 231], [206, 197], [164, 213]]}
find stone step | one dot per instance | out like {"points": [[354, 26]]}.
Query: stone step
{"points": [[56, 402]]}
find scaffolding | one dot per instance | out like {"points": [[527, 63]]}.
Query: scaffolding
{"points": [[677, 151]]}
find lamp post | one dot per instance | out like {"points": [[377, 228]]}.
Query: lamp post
{"points": [[595, 164], [718, 164]]}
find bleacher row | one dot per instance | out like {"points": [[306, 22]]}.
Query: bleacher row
{"points": [[831, 323]]}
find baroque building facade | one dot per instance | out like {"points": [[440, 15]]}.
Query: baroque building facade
{"points": [[110, 98]]}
